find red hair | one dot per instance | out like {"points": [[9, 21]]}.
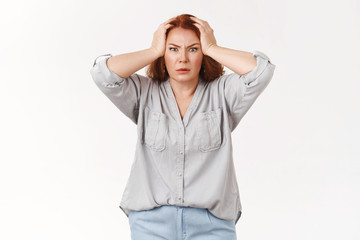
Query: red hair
{"points": [[210, 69]]}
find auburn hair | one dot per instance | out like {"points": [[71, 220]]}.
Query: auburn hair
{"points": [[210, 69]]}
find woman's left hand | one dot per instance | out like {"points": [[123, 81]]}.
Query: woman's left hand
{"points": [[206, 34]]}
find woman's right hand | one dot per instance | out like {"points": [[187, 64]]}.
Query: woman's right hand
{"points": [[158, 43]]}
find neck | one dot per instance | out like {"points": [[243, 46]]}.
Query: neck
{"points": [[183, 89]]}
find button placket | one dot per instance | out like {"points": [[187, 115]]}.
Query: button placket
{"points": [[182, 123], [180, 165]]}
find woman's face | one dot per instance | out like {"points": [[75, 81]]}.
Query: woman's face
{"points": [[183, 50]]}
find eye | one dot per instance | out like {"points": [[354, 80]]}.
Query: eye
{"points": [[172, 48], [194, 48]]}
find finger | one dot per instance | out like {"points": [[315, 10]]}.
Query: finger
{"points": [[207, 28], [204, 26], [195, 19], [200, 21], [166, 22], [168, 25], [203, 23], [199, 26]]}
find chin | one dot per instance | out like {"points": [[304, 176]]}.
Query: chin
{"points": [[183, 78]]}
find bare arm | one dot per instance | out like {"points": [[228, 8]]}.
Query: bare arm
{"points": [[126, 64], [240, 62]]}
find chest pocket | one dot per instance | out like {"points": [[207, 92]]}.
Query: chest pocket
{"points": [[155, 130], [208, 131]]}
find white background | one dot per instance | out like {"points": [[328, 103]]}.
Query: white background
{"points": [[66, 151]]}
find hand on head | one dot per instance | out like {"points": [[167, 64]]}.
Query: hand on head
{"points": [[207, 37], [158, 43]]}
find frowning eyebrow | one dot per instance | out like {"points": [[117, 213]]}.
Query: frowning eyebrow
{"points": [[188, 46]]}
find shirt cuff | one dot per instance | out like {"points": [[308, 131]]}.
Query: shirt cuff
{"points": [[101, 67], [109, 55], [262, 63]]}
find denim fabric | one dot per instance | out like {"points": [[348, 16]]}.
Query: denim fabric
{"points": [[170, 222]]}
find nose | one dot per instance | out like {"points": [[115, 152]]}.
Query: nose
{"points": [[183, 56]]}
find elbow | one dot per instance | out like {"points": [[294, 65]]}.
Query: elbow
{"points": [[253, 64], [109, 65]]}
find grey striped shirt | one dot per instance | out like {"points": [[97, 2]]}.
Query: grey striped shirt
{"points": [[189, 161]]}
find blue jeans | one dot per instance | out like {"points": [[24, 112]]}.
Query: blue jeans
{"points": [[169, 222]]}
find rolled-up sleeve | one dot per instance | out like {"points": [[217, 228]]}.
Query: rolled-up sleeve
{"points": [[124, 93], [241, 91]]}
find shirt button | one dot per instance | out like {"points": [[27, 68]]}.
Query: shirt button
{"points": [[179, 198], [181, 152], [180, 174]]}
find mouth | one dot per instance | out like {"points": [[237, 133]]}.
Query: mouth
{"points": [[183, 70]]}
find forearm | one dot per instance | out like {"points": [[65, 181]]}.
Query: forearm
{"points": [[240, 62], [127, 64]]}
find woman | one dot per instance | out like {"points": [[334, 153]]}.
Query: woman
{"points": [[182, 183]]}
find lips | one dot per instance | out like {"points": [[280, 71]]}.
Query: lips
{"points": [[183, 69]]}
